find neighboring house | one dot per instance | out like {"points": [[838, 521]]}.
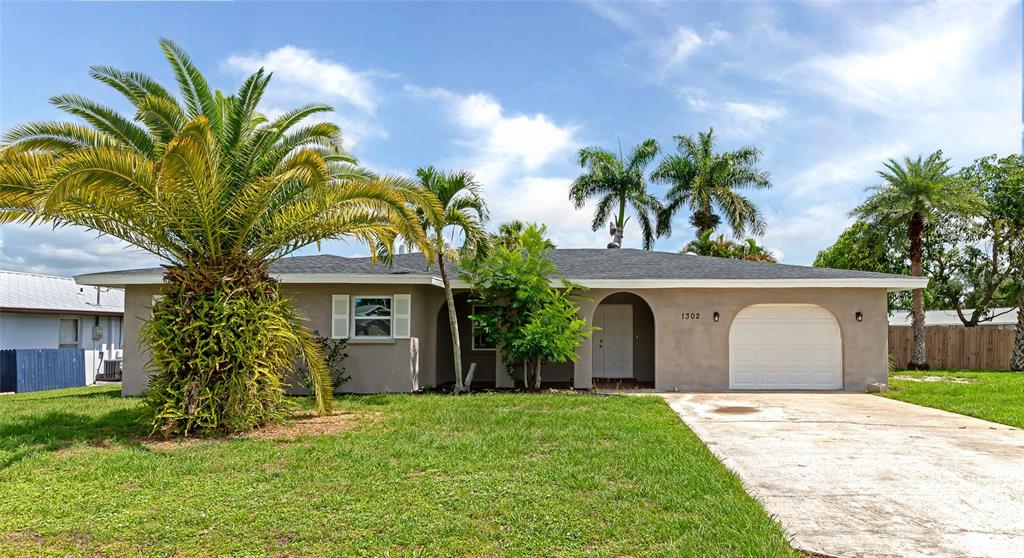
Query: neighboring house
{"points": [[1004, 318], [679, 322], [48, 312]]}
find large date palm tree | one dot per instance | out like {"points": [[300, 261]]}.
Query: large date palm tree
{"points": [[617, 183], [706, 183], [218, 191], [915, 194], [463, 213]]}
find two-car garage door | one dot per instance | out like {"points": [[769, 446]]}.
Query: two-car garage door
{"points": [[785, 346]]}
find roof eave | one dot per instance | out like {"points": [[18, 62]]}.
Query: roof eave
{"points": [[892, 284], [122, 279]]}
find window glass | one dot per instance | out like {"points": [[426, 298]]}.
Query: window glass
{"points": [[372, 316], [68, 333], [480, 341]]}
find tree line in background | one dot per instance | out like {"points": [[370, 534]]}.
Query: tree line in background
{"points": [[964, 230]]}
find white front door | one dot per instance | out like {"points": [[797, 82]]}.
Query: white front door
{"points": [[613, 345], [785, 346]]}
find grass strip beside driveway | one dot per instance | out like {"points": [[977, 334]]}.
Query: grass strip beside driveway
{"points": [[994, 396]]}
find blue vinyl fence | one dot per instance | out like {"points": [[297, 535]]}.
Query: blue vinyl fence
{"points": [[23, 370]]}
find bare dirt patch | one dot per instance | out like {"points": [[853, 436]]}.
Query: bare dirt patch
{"points": [[301, 424], [948, 379]]}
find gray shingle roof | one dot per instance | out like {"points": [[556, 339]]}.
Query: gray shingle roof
{"points": [[574, 263], [29, 291]]}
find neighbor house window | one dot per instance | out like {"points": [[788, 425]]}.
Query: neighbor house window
{"points": [[372, 316], [480, 341], [68, 333]]}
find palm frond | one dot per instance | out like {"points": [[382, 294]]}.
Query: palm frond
{"points": [[199, 99], [108, 121]]}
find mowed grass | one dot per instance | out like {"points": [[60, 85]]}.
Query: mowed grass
{"points": [[418, 475], [994, 396]]}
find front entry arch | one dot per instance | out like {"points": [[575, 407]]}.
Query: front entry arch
{"points": [[624, 347], [785, 346]]}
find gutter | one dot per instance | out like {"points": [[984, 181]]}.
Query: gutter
{"points": [[891, 284]]}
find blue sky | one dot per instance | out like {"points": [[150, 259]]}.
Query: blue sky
{"points": [[827, 90]]}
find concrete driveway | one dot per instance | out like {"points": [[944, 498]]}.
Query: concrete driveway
{"points": [[860, 475]]}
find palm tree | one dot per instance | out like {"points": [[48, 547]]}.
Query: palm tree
{"points": [[720, 247], [915, 195], [218, 191], [463, 213], [510, 234], [705, 183], [616, 183]]}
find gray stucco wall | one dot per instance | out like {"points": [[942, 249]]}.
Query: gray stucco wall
{"points": [[397, 365], [394, 365], [693, 355], [687, 355]]}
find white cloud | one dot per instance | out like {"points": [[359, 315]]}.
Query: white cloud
{"points": [[916, 59], [545, 199], [683, 43], [805, 231], [500, 144], [756, 112], [738, 119], [621, 14], [300, 77], [849, 172], [66, 251], [301, 72]]}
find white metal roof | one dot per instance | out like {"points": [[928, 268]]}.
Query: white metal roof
{"points": [[25, 292], [1003, 317]]}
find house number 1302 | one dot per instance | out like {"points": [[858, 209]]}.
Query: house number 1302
{"points": [[691, 315]]}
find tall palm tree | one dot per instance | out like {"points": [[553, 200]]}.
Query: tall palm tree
{"points": [[705, 183], [915, 194], [617, 183], [463, 213], [218, 191]]}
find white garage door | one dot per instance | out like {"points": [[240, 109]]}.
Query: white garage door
{"points": [[785, 346]]}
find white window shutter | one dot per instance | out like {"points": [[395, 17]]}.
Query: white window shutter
{"points": [[402, 316], [339, 317]]}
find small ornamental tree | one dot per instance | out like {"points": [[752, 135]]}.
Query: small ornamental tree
{"points": [[533, 321]]}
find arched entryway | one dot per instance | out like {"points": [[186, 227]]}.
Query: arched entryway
{"points": [[785, 346], [474, 349], [623, 350]]}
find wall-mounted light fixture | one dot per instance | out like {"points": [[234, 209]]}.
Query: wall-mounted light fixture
{"points": [[715, 317], [859, 315]]}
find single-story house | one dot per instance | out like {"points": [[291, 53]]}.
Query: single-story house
{"points": [[1003, 318], [50, 312], [674, 321]]}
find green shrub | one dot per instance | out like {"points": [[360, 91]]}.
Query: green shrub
{"points": [[221, 342], [335, 352]]}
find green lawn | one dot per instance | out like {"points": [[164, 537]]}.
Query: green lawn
{"points": [[432, 475], [994, 396]]}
